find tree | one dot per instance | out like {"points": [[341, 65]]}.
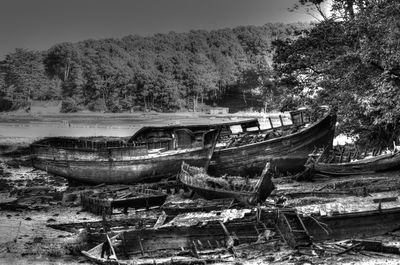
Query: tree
{"points": [[351, 63], [25, 78]]}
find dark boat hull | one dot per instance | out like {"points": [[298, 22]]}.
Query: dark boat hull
{"points": [[289, 153], [380, 163], [208, 194], [124, 171], [351, 225], [244, 193], [172, 240]]}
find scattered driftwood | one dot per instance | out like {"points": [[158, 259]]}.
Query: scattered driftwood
{"points": [[353, 247], [376, 246]]}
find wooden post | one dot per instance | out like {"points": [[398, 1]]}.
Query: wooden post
{"points": [[270, 122], [195, 251], [112, 248], [280, 118], [141, 246]]}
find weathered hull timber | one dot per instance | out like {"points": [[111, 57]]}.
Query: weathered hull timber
{"points": [[125, 164], [289, 152], [130, 171], [379, 163], [200, 205], [213, 188], [136, 245], [104, 201], [95, 229], [350, 225]]}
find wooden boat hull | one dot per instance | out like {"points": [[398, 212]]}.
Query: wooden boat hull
{"points": [[244, 198], [170, 240], [97, 170], [351, 225], [380, 163], [210, 189], [173, 209], [289, 153]]}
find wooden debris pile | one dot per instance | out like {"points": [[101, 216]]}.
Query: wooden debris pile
{"points": [[197, 244]]}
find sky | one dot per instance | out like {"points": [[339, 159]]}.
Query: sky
{"points": [[39, 24]]}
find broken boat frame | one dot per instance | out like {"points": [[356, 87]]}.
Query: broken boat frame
{"points": [[102, 202], [345, 160], [187, 244], [209, 188]]}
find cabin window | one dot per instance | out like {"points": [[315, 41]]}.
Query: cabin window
{"points": [[184, 138], [236, 129]]}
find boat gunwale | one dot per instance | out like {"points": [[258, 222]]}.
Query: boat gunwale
{"points": [[363, 161], [358, 214], [187, 174], [280, 138]]}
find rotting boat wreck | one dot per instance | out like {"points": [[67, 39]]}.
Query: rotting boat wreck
{"points": [[188, 243], [105, 200], [288, 145], [239, 189], [351, 160], [149, 155]]}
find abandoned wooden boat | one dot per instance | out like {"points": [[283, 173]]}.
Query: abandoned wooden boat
{"points": [[144, 246], [150, 155], [244, 148], [173, 208], [363, 224], [103, 201], [96, 230], [349, 160], [243, 191]]}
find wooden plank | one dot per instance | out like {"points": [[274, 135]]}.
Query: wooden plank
{"points": [[385, 199], [112, 248]]}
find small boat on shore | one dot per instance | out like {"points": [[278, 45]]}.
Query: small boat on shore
{"points": [[149, 155], [350, 160], [244, 191], [104, 200]]}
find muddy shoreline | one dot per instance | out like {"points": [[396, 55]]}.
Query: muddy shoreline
{"points": [[26, 238]]}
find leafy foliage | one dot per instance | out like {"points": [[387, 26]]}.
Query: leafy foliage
{"points": [[164, 72], [69, 105], [351, 63]]}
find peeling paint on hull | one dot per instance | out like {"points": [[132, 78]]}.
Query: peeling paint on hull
{"points": [[128, 171], [289, 153]]}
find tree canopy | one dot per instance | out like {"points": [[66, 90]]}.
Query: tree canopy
{"points": [[163, 72], [349, 60]]}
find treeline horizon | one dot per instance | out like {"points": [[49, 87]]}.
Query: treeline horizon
{"points": [[162, 72]]}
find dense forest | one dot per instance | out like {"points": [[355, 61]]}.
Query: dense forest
{"points": [[349, 59], [163, 72]]}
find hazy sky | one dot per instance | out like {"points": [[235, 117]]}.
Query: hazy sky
{"points": [[38, 24]]}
